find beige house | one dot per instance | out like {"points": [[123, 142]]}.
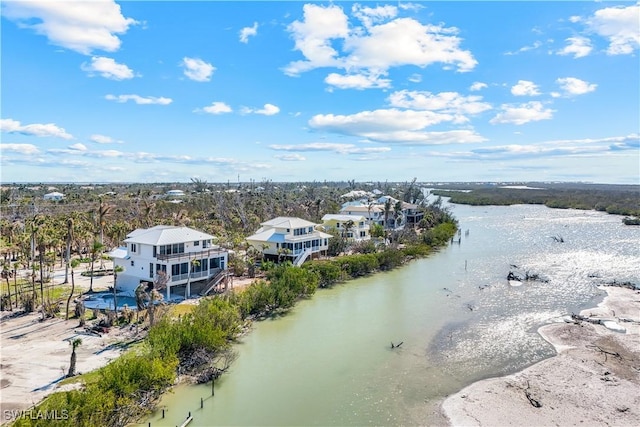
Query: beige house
{"points": [[352, 227], [289, 238]]}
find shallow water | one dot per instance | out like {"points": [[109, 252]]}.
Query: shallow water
{"points": [[330, 362]]}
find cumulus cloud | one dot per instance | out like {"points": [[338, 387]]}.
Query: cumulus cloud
{"points": [[82, 26], [197, 70], [215, 108], [34, 129], [448, 102], [524, 113], [25, 149], [573, 86], [476, 86], [103, 139], [357, 81], [619, 25], [78, 147], [577, 46], [415, 78], [525, 88], [382, 42], [139, 99], [107, 68], [331, 147], [394, 125], [534, 46], [267, 110], [247, 32]]}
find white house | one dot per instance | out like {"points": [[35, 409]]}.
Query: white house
{"points": [[354, 227], [55, 196], [175, 193], [185, 255], [293, 238], [409, 214]]}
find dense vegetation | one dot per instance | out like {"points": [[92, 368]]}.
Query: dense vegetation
{"points": [[613, 199]]}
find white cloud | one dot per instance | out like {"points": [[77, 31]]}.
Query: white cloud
{"points": [[478, 86], [393, 125], [577, 46], [534, 46], [525, 88], [373, 15], [247, 32], [78, 147], [291, 157], [196, 69], [313, 37], [35, 129], [573, 86], [357, 81], [330, 146], [415, 78], [216, 108], [139, 99], [448, 102], [523, 113], [107, 68], [82, 26], [620, 26], [267, 110], [26, 149], [103, 139], [376, 47]]}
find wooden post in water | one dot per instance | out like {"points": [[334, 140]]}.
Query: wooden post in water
{"points": [[201, 403], [213, 393], [163, 414]]}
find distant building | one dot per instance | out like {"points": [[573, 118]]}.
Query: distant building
{"points": [[55, 196], [290, 238], [172, 251], [175, 193]]}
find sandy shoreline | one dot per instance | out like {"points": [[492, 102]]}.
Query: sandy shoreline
{"points": [[593, 380]]}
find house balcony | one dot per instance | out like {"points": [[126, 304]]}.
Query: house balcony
{"points": [[187, 256]]}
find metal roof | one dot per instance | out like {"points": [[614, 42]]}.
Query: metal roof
{"points": [[166, 235], [287, 222]]}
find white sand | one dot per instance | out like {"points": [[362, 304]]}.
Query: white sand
{"points": [[35, 355], [582, 385]]}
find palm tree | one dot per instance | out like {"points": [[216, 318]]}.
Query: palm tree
{"points": [[68, 248], [397, 213], [387, 212], [72, 366], [73, 264], [6, 274], [348, 227], [96, 250], [116, 269], [103, 211]]}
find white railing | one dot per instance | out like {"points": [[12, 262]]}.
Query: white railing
{"points": [[302, 257]]}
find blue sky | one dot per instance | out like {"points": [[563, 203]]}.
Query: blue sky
{"points": [[137, 91]]}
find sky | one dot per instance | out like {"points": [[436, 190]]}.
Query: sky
{"points": [[287, 91]]}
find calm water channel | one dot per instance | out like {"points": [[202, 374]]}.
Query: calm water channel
{"points": [[329, 362]]}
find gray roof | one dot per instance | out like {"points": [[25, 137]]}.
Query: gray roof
{"points": [[287, 222], [166, 235]]}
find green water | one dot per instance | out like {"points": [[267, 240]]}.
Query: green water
{"points": [[329, 361]]}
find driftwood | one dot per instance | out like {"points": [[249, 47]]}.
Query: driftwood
{"points": [[605, 352], [396, 345], [535, 403], [627, 285]]}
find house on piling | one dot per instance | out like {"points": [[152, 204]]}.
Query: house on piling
{"points": [[182, 255], [289, 238]]}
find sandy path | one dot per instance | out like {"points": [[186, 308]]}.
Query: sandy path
{"points": [[594, 379], [35, 355]]}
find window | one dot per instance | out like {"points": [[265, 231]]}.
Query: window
{"points": [[196, 243], [132, 263], [133, 247], [175, 269], [151, 269], [310, 229], [155, 252], [184, 268]]}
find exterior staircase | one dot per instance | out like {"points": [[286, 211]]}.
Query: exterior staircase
{"points": [[215, 281], [300, 259]]}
